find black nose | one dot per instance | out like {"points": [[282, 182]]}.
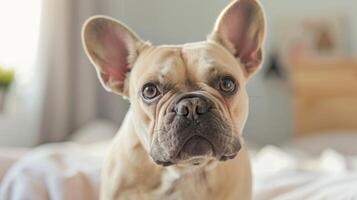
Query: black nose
{"points": [[192, 107]]}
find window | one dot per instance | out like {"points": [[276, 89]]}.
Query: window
{"points": [[19, 31]]}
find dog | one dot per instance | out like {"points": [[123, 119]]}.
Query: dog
{"points": [[182, 136]]}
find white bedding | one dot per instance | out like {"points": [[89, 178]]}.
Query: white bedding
{"points": [[57, 171], [283, 176], [72, 171]]}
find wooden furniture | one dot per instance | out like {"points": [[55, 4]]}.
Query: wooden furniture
{"points": [[325, 95]]}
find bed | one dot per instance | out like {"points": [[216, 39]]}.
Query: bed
{"points": [[319, 167], [59, 171], [298, 170]]}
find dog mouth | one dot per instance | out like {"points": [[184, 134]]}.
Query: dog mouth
{"points": [[194, 145], [196, 148]]}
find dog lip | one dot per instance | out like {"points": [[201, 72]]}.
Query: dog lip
{"points": [[228, 157], [163, 163]]}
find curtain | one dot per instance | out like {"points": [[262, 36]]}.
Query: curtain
{"points": [[70, 84]]}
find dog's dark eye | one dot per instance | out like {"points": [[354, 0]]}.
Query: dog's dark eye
{"points": [[227, 85], [150, 91]]}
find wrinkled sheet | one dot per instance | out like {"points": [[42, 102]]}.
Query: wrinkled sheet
{"points": [[295, 176], [69, 171], [57, 172], [9, 156]]}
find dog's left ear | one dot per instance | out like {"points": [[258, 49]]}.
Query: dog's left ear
{"points": [[241, 29]]}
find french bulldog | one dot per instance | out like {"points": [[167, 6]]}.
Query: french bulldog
{"points": [[182, 136]]}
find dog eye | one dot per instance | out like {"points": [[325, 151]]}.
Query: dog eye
{"points": [[150, 91], [227, 85]]}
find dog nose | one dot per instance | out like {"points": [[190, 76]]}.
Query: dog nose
{"points": [[192, 107]]}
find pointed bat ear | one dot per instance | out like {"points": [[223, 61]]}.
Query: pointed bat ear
{"points": [[241, 29], [112, 48]]}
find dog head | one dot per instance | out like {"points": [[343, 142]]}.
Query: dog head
{"points": [[189, 101]]}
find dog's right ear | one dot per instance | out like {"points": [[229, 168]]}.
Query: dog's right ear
{"points": [[113, 49]]}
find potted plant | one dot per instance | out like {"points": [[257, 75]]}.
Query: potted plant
{"points": [[7, 77]]}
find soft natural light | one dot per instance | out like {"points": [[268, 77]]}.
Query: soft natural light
{"points": [[19, 31]]}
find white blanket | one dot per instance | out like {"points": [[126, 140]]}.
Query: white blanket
{"points": [[57, 172], [282, 176], [72, 171]]}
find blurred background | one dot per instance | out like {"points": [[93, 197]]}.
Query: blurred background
{"points": [[302, 126], [49, 91]]}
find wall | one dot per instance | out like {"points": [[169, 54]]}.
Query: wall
{"points": [[174, 22], [271, 112]]}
